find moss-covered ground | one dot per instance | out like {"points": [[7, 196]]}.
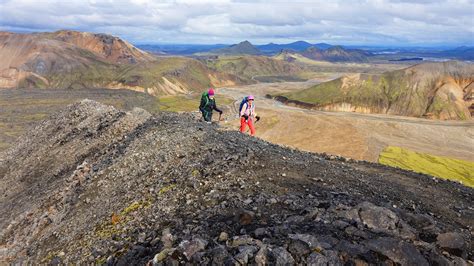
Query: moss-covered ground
{"points": [[443, 167]]}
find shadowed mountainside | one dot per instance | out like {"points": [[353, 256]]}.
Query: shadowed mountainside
{"points": [[432, 90], [273, 48], [166, 196], [331, 54], [242, 48]]}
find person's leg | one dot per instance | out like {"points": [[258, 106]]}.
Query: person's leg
{"points": [[243, 125], [207, 116], [252, 128]]}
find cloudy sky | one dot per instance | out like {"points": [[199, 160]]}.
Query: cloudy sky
{"points": [[358, 22]]}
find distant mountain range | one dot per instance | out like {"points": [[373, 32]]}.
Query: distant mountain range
{"points": [[244, 47], [465, 53], [389, 54], [320, 52], [462, 53], [273, 48]]}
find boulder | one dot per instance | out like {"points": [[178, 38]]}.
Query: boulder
{"points": [[220, 256], [298, 249], [312, 241], [223, 236], [262, 256], [243, 240], [282, 257], [167, 238], [379, 220], [330, 257], [396, 250], [452, 242], [191, 247], [245, 253]]}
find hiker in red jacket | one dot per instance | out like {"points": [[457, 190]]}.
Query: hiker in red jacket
{"points": [[248, 115]]}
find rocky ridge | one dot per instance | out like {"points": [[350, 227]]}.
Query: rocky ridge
{"points": [[331, 54], [94, 184]]}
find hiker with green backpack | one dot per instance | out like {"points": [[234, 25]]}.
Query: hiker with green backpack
{"points": [[208, 104]]}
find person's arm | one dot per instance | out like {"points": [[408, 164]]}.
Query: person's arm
{"points": [[215, 107], [242, 111]]}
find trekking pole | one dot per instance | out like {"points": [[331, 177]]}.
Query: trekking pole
{"points": [[257, 119]]}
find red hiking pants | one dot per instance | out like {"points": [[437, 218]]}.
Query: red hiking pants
{"points": [[243, 125]]}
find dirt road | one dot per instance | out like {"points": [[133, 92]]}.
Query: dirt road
{"points": [[359, 136]]}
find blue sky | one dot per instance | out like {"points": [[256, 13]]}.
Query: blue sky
{"points": [[364, 22]]}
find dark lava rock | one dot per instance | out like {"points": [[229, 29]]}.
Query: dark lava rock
{"points": [[379, 220], [312, 241], [298, 248], [452, 242], [220, 256], [398, 251], [281, 256], [191, 247], [246, 217], [261, 258], [329, 257], [261, 232], [92, 183], [245, 254]]}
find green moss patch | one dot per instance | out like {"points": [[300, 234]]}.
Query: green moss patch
{"points": [[443, 167]]}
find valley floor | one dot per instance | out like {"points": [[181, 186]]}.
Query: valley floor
{"points": [[354, 135]]}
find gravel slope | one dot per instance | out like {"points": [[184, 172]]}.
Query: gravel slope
{"points": [[93, 184]]}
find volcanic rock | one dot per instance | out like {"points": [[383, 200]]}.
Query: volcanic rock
{"points": [[149, 204]]}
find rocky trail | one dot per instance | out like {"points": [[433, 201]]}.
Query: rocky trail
{"points": [[93, 184]]}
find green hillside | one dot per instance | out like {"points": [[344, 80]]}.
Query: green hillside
{"points": [[433, 90], [183, 74], [443, 167], [250, 68]]}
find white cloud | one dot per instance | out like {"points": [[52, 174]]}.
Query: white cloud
{"points": [[422, 22]]}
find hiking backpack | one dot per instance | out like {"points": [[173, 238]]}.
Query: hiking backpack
{"points": [[204, 95], [244, 101]]}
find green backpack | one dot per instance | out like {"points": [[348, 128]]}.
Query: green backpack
{"points": [[204, 97]]}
